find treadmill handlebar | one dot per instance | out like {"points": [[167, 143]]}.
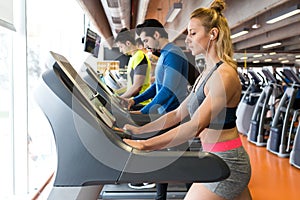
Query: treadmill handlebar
{"points": [[124, 134]]}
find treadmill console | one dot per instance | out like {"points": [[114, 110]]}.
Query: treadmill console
{"points": [[291, 75], [254, 76], [269, 75], [87, 95]]}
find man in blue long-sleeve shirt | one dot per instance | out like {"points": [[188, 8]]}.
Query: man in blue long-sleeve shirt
{"points": [[170, 86], [171, 78]]}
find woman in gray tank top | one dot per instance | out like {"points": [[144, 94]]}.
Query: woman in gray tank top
{"points": [[211, 106]]}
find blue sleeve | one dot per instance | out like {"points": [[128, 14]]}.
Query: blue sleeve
{"points": [[173, 65], [147, 94], [174, 71], [161, 98]]}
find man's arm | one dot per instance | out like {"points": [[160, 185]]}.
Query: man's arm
{"points": [[148, 94], [173, 78], [136, 87]]}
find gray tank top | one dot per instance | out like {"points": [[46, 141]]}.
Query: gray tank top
{"points": [[225, 119]]}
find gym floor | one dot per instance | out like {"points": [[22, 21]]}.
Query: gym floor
{"points": [[272, 177]]}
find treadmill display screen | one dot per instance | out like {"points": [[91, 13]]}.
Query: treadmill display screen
{"points": [[89, 95]]}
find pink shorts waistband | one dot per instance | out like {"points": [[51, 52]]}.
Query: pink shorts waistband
{"points": [[222, 146]]}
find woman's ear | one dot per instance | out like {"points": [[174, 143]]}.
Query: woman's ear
{"points": [[214, 32]]}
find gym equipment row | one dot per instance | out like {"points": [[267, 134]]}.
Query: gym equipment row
{"points": [[90, 150], [274, 114]]}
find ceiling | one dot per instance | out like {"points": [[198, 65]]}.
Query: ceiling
{"points": [[109, 16]]}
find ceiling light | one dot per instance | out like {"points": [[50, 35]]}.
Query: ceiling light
{"points": [[285, 61], [256, 61], [297, 56], [281, 58], [255, 26], [297, 60], [173, 12], [271, 45], [283, 14], [268, 60], [257, 55], [240, 33], [272, 53], [244, 58]]}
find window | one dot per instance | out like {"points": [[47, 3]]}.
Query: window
{"points": [[6, 154], [27, 149], [58, 26]]}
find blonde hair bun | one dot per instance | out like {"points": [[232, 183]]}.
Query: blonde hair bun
{"points": [[218, 5]]}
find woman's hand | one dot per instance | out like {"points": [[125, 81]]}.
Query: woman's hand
{"points": [[137, 144], [132, 129]]}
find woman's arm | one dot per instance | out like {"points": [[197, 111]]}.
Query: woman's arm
{"points": [[180, 134], [168, 120], [216, 99]]}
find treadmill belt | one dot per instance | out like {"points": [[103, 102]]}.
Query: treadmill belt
{"points": [[123, 191]]}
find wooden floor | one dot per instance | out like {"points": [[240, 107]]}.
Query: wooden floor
{"points": [[273, 178]]}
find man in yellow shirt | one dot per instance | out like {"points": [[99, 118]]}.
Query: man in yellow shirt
{"points": [[139, 65]]}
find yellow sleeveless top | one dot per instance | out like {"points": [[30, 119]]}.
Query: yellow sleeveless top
{"points": [[134, 61]]}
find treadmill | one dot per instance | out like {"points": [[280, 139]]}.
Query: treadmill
{"points": [[113, 103], [247, 104], [282, 131], [260, 124], [112, 80], [90, 149]]}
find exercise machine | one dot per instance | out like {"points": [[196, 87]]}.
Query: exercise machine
{"points": [[247, 104], [244, 81], [282, 125], [295, 153], [111, 101], [112, 79], [260, 122], [90, 149]]}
